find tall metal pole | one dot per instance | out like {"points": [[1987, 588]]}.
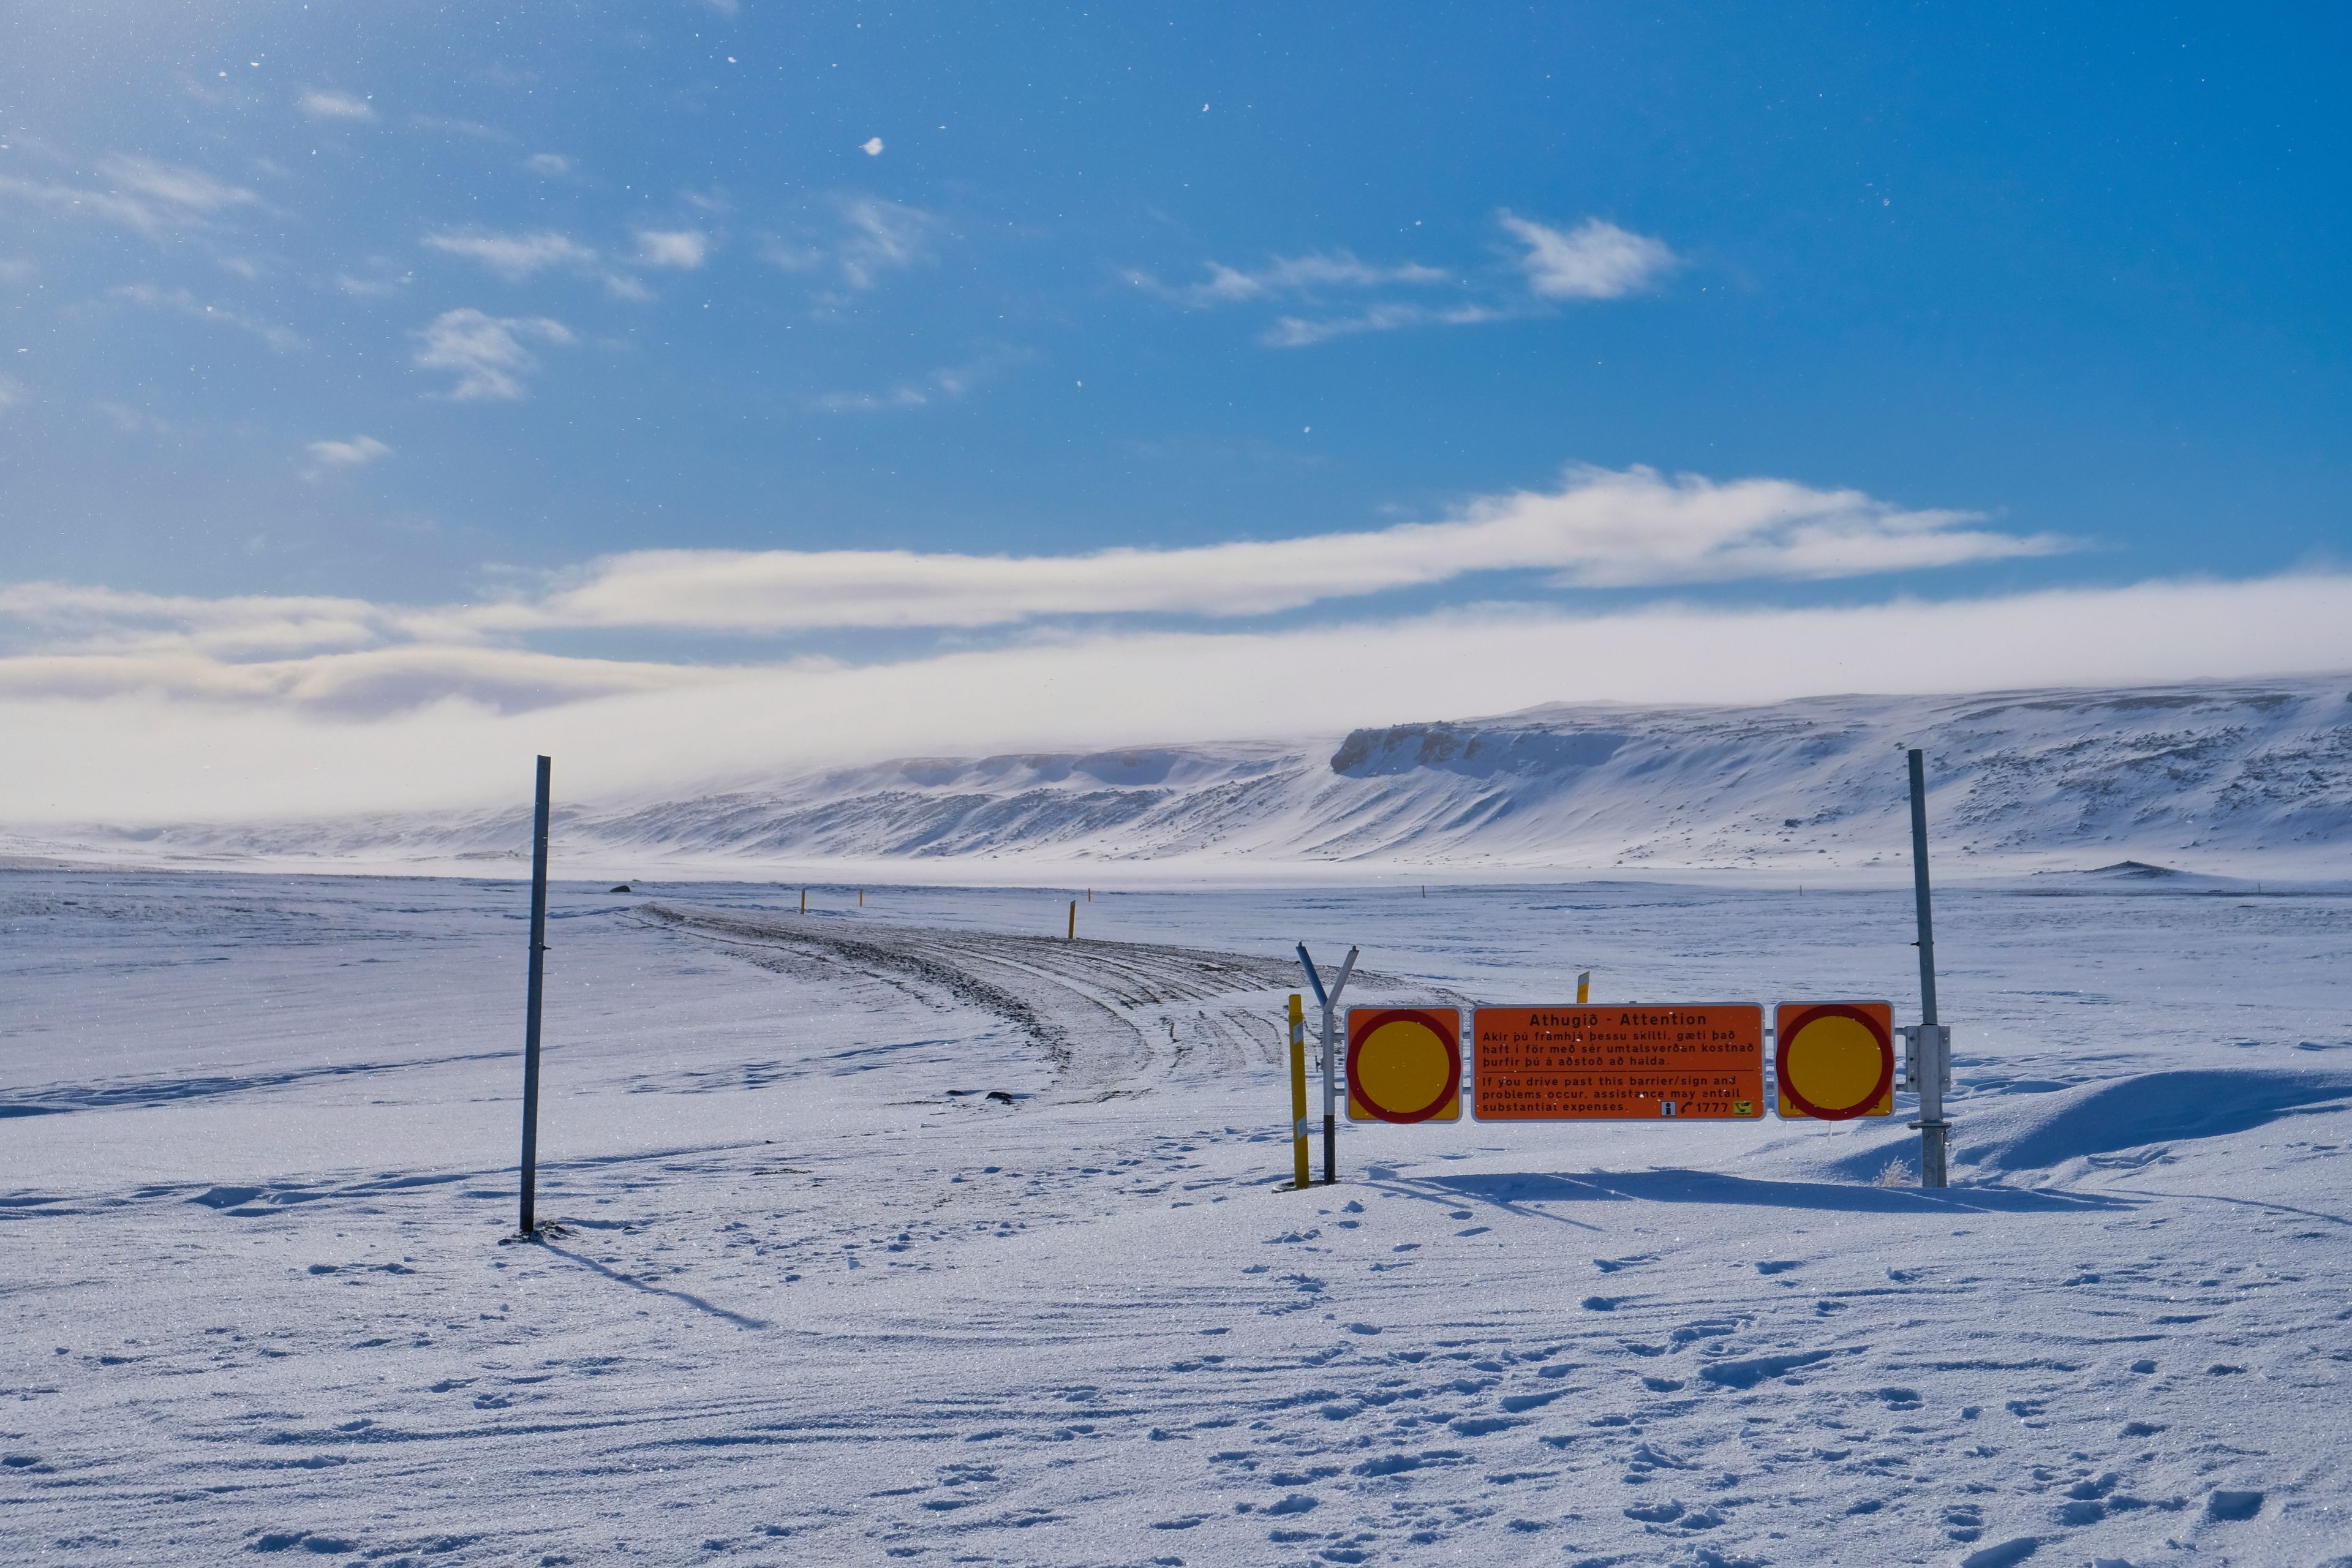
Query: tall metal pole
{"points": [[530, 1013], [1328, 1001], [1933, 1046]]}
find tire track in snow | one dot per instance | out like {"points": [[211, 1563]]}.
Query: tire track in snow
{"points": [[1115, 1017]]}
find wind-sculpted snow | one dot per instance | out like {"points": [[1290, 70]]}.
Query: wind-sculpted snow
{"points": [[2241, 779]]}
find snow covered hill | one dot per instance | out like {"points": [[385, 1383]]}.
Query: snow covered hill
{"points": [[2246, 778]]}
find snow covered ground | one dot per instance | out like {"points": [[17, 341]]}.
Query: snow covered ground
{"points": [[2230, 778], [821, 1297]]}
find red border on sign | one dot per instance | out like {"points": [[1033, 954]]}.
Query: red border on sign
{"points": [[1435, 1026], [1835, 1010]]}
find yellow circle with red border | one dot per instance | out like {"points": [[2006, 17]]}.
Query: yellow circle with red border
{"points": [[1406, 1066], [1835, 1062]]}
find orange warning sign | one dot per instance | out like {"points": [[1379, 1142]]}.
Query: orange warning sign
{"points": [[1835, 1059], [1404, 1063], [1622, 1062]]}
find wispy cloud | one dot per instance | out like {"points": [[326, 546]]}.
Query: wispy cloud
{"points": [[381, 279], [1599, 528], [683, 249], [1299, 332], [1289, 275], [874, 237], [515, 257], [336, 106], [944, 384], [551, 164], [488, 354], [181, 302], [12, 394], [149, 197], [176, 185], [356, 453], [1594, 260]]}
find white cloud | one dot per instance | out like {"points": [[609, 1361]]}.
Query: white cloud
{"points": [[181, 302], [871, 146], [486, 354], [1594, 260], [336, 106], [685, 249], [143, 738], [514, 256], [356, 453], [551, 164], [12, 394]]}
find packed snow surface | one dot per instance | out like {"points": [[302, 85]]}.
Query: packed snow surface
{"points": [[916, 1232], [2247, 779]]}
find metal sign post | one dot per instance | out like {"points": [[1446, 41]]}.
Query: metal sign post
{"points": [[1329, 1002], [530, 1009], [1931, 1044]]}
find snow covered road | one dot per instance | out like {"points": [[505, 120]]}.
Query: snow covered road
{"points": [[821, 1298]]}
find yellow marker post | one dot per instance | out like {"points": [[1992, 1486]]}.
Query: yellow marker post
{"points": [[1073, 920], [1298, 1088], [803, 900], [1584, 988]]}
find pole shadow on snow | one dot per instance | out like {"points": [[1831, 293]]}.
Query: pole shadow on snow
{"points": [[1510, 1190], [691, 1299]]}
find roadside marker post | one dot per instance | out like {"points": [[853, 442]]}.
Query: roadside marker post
{"points": [[803, 900], [1583, 987], [1328, 1001], [1074, 921], [530, 1218], [1931, 1044], [1300, 1174]]}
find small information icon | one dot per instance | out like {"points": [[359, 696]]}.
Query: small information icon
{"points": [[1665, 1107]]}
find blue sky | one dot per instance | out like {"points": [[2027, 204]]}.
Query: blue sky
{"points": [[356, 359]]}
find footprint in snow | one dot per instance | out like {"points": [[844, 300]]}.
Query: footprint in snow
{"points": [[1779, 1266]]}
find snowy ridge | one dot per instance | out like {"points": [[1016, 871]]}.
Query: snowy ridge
{"points": [[2242, 778]]}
